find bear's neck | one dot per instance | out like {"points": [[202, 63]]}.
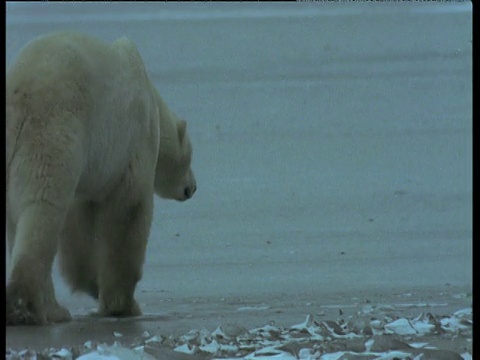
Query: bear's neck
{"points": [[168, 126]]}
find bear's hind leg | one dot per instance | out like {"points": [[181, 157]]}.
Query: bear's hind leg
{"points": [[42, 176], [30, 297], [123, 230], [77, 255]]}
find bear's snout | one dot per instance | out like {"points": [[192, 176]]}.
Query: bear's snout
{"points": [[189, 191]]}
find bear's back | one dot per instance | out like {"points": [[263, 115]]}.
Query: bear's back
{"points": [[63, 68], [99, 92]]}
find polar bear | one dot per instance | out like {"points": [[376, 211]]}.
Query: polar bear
{"points": [[89, 142]]}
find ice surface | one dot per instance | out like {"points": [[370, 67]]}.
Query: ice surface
{"points": [[311, 339], [326, 158]]}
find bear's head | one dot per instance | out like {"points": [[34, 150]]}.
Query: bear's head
{"points": [[174, 178]]}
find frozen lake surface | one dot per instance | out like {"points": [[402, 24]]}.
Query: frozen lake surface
{"points": [[332, 151]]}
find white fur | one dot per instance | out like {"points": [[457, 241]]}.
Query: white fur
{"points": [[89, 140]]}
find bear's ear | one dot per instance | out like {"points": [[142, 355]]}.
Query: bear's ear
{"points": [[181, 129]]}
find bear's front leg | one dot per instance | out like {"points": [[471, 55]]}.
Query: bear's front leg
{"points": [[122, 234]]}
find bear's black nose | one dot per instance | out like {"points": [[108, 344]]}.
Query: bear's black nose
{"points": [[189, 191]]}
